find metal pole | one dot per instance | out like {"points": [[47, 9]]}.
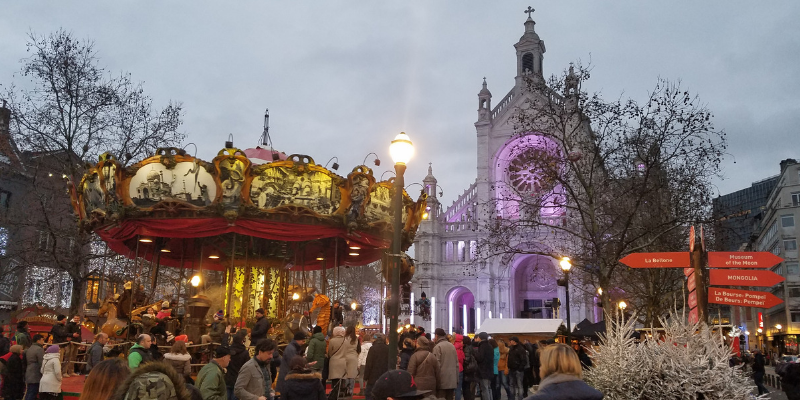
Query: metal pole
{"points": [[569, 326], [394, 305]]}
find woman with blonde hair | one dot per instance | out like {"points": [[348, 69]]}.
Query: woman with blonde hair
{"points": [[561, 376], [104, 378]]}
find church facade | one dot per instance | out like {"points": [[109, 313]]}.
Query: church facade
{"points": [[464, 288]]}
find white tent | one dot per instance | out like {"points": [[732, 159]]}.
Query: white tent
{"points": [[506, 327]]}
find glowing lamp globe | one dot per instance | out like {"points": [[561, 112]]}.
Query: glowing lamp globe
{"points": [[565, 264], [195, 281], [401, 149]]}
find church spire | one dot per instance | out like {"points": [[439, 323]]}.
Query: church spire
{"points": [[484, 104], [530, 51]]}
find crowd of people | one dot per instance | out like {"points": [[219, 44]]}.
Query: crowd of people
{"points": [[442, 366]]}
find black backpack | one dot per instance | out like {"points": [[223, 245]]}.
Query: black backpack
{"points": [[5, 345]]}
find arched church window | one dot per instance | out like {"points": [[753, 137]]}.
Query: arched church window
{"points": [[483, 104], [527, 62]]}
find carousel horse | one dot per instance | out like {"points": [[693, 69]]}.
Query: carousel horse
{"points": [[113, 327], [323, 303]]}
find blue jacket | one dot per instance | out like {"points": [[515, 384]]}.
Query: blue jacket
{"points": [[565, 387], [496, 358]]}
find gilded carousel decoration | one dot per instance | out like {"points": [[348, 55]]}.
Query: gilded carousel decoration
{"points": [[256, 222]]}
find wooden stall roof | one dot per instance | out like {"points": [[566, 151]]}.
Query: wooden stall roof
{"points": [[524, 328]]}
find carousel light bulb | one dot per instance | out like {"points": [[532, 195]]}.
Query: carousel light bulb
{"points": [[352, 253], [195, 281], [354, 247], [425, 215], [166, 250], [353, 306], [401, 149], [296, 296], [213, 256], [145, 239], [600, 291]]}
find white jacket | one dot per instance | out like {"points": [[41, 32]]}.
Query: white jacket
{"points": [[51, 374], [362, 357]]}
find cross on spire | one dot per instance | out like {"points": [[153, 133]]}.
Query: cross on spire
{"points": [[529, 11]]}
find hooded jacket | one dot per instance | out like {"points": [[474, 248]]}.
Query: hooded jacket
{"points": [[447, 356], [303, 385], [424, 366], [565, 387], [485, 356], [181, 362], [51, 374], [239, 356], [14, 378], [316, 351], [156, 381], [377, 362], [291, 350], [343, 356], [459, 345]]}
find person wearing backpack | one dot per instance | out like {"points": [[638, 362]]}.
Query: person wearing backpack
{"points": [[22, 337]]}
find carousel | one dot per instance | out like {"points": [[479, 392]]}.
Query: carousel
{"points": [[271, 228]]}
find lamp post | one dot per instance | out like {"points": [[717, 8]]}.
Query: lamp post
{"points": [[566, 264], [778, 339], [401, 150]]}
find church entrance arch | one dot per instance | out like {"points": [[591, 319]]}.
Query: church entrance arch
{"points": [[461, 310], [533, 286]]}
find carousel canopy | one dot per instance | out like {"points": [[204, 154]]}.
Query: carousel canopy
{"points": [[177, 210]]}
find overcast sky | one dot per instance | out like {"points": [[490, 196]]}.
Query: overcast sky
{"points": [[341, 78]]}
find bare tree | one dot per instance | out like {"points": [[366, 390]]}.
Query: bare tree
{"points": [[69, 112], [596, 180]]}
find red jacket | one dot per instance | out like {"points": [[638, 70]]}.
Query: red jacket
{"points": [[459, 344]]}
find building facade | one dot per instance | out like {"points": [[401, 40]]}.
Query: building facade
{"points": [[776, 232], [463, 287]]}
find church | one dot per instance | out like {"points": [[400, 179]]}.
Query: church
{"points": [[464, 288]]}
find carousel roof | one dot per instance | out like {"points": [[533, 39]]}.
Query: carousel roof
{"points": [[177, 210]]}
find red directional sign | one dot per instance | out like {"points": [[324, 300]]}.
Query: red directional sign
{"points": [[693, 316], [688, 271], [690, 283], [693, 299], [743, 277], [743, 298], [742, 259], [656, 260]]}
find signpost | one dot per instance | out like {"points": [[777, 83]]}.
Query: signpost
{"points": [[744, 298], [742, 259], [741, 277], [656, 260], [694, 268]]}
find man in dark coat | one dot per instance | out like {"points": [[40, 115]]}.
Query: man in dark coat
{"points": [[239, 356], [758, 372], [516, 368], [485, 357], [71, 351], [33, 372], [295, 348], [95, 353], [23, 337], [337, 314], [261, 328], [377, 363], [790, 379]]}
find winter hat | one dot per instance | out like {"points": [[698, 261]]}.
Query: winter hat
{"points": [[299, 336], [151, 386], [423, 342], [514, 339], [338, 331], [219, 315], [440, 332], [61, 317], [52, 349], [483, 336], [379, 337], [396, 384], [221, 351]]}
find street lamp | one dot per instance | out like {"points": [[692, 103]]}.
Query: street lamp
{"points": [[566, 264], [401, 151], [778, 338], [623, 305], [195, 281]]}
